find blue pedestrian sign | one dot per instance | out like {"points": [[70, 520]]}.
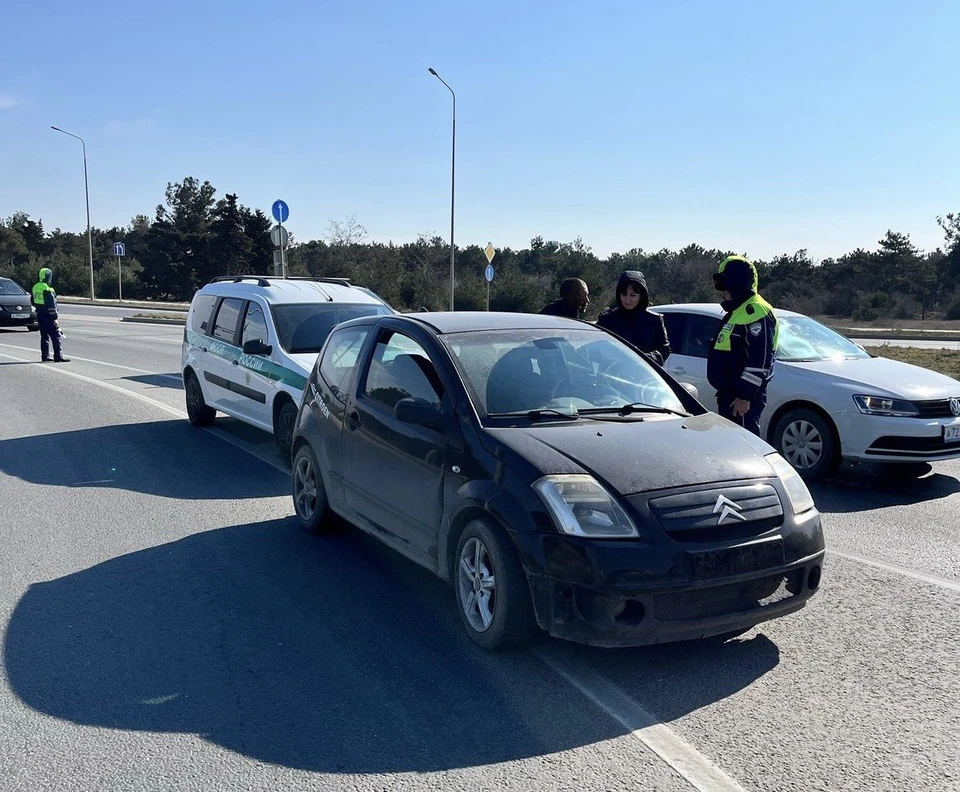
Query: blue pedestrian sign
{"points": [[119, 249], [488, 273], [280, 211]]}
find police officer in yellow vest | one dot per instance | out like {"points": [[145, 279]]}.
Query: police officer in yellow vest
{"points": [[45, 301], [740, 362]]}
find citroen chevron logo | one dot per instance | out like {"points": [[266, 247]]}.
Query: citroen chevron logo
{"points": [[727, 508]]}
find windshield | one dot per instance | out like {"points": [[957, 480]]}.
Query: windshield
{"points": [[518, 371], [9, 287], [303, 327], [803, 339]]}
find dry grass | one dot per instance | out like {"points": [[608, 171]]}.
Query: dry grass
{"points": [[946, 361]]}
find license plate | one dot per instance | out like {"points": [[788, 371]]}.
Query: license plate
{"points": [[737, 560], [19, 316], [951, 433]]}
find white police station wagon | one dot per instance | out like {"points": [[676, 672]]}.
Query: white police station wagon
{"points": [[250, 343]]}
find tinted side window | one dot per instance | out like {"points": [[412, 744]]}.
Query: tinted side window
{"points": [[400, 369], [225, 326], [675, 323], [202, 309], [340, 358], [699, 334], [254, 325]]}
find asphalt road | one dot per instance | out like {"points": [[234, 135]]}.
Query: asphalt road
{"points": [[166, 626]]}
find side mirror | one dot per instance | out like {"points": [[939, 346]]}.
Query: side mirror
{"points": [[255, 346], [416, 411], [691, 389]]}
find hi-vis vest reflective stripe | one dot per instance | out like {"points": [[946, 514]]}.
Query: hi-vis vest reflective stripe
{"points": [[39, 293], [761, 309]]}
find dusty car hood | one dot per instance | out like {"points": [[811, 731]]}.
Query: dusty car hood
{"points": [[639, 456], [883, 377]]}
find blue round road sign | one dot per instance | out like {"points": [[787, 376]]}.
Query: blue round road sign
{"points": [[488, 273], [280, 211]]}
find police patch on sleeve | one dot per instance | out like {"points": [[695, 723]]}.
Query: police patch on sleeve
{"points": [[755, 328]]}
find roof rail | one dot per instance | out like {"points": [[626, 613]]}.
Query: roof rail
{"points": [[261, 281], [264, 280]]}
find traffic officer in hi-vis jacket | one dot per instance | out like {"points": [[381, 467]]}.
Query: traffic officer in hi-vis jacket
{"points": [[740, 362], [45, 301]]}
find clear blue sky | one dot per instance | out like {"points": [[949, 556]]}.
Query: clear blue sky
{"points": [[761, 127]]}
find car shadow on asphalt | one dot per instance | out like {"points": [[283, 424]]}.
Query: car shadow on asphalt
{"points": [[172, 380], [856, 488], [329, 654], [64, 459]]}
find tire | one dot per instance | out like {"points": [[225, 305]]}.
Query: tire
{"points": [[497, 615], [198, 413], [309, 494], [283, 429], [33, 328], [807, 442]]}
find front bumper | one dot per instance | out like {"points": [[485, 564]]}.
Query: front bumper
{"points": [[625, 593], [6, 320], [636, 617], [875, 438]]}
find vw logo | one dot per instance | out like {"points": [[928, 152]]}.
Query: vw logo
{"points": [[20, 308], [727, 508], [955, 406]]}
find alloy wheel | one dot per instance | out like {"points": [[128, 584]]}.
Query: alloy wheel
{"points": [[305, 488], [478, 589]]}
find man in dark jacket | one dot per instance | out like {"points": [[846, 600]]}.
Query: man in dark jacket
{"points": [[631, 320], [574, 299], [740, 362], [45, 301]]}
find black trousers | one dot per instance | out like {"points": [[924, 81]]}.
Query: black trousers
{"points": [[48, 333], [750, 421]]}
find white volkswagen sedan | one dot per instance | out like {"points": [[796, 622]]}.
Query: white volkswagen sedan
{"points": [[829, 400]]}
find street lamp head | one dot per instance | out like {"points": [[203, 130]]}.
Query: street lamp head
{"points": [[430, 69], [57, 128]]}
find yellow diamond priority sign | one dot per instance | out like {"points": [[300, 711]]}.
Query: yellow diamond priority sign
{"points": [[489, 252]]}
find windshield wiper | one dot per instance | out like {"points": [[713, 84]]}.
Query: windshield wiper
{"points": [[534, 415], [626, 409]]}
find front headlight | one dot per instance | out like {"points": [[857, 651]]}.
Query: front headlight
{"points": [[883, 405], [580, 506], [800, 498]]}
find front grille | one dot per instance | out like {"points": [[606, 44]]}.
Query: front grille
{"points": [[893, 445], [934, 408], [696, 516]]}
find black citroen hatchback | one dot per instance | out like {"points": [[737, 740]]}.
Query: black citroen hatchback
{"points": [[555, 476]]}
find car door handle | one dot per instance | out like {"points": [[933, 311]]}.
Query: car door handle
{"points": [[203, 349], [678, 370], [352, 419], [236, 362]]}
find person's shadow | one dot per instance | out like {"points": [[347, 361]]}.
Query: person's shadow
{"points": [[327, 654]]}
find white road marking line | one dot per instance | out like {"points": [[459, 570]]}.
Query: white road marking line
{"points": [[897, 569], [61, 369], [695, 768], [98, 362], [242, 445]]}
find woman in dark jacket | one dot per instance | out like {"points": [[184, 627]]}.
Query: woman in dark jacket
{"points": [[631, 320]]}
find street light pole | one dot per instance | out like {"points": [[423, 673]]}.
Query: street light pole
{"points": [[453, 180], [86, 190]]}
